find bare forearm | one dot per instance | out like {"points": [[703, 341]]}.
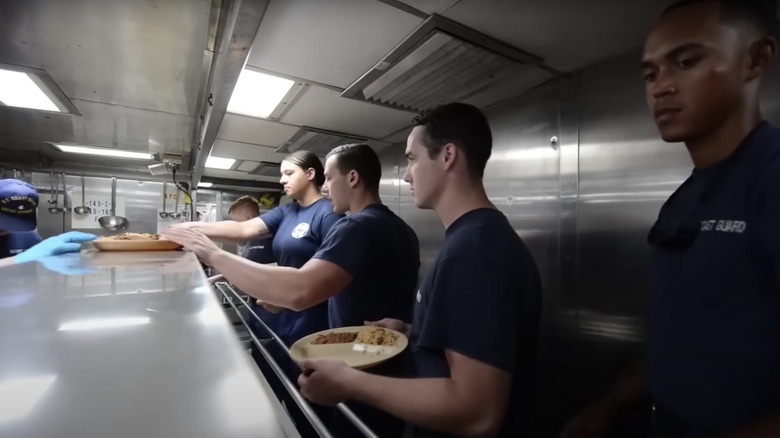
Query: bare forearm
{"points": [[8, 261], [229, 231], [435, 404], [277, 285]]}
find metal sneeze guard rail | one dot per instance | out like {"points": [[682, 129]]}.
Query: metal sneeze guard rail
{"points": [[229, 293]]}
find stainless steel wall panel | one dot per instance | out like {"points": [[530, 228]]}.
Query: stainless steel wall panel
{"points": [[392, 159]]}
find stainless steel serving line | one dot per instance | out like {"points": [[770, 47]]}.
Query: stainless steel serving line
{"points": [[228, 292], [126, 346]]}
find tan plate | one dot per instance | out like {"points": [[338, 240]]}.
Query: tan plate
{"points": [[358, 356], [135, 245]]}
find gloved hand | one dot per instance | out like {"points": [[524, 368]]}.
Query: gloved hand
{"points": [[64, 243]]}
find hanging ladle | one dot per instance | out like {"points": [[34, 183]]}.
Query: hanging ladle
{"points": [[83, 209], [164, 214], [54, 195], [113, 222], [175, 214], [65, 208]]}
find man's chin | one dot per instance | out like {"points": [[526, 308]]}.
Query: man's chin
{"points": [[673, 135]]}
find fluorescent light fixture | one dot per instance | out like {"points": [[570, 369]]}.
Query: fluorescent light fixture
{"points": [[258, 94], [18, 396], [204, 185], [18, 89], [104, 152], [220, 163], [95, 324]]}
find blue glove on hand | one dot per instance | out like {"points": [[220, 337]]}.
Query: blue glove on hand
{"points": [[62, 244]]}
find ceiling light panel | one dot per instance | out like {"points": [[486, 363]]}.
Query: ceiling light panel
{"points": [[257, 94], [220, 163], [103, 152], [18, 89]]}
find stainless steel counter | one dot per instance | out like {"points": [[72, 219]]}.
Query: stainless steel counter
{"points": [[125, 345]]}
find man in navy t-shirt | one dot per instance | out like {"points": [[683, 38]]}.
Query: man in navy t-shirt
{"points": [[18, 219], [473, 335], [713, 367], [365, 269]]}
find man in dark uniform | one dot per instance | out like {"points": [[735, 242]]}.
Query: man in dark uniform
{"points": [[366, 267], [474, 331], [713, 366], [256, 250], [18, 204]]}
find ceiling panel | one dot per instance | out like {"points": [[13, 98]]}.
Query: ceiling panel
{"points": [[323, 108], [101, 125], [245, 151], [331, 42], [509, 88], [431, 6], [566, 33], [254, 130], [235, 174], [138, 54], [399, 136]]}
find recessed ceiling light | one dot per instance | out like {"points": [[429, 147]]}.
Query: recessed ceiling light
{"points": [[104, 152], [20, 90], [220, 163], [258, 94], [205, 185]]}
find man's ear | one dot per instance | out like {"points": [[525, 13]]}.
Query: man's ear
{"points": [[762, 55], [353, 178], [448, 155]]}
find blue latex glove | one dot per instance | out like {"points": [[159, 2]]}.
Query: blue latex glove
{"points": [[62, 244]]}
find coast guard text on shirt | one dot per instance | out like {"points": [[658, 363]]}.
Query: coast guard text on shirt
{"points": [[724, 226]]}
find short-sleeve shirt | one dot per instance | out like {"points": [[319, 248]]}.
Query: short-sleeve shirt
{"points": [[298, 231], [482, 299], [22, 241], [382, 254], [714, 345], [259, 251]]}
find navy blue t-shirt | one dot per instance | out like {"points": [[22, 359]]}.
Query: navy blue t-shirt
{"points": [[4, 250], [714, 347], [259, 251], [22, 241], [482, 299], [383, 255], [298, 232]]}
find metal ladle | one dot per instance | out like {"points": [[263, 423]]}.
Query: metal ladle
{"points": [[113, 222], [175, 214], [164, 214], [83, 209], [65, 208], [54, 195]]}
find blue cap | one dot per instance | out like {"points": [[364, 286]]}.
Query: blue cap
{"points": [[18, 204]]}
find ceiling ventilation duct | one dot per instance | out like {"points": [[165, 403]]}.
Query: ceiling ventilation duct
{"points": [[441, 61], [266, 169], [318, 141]]}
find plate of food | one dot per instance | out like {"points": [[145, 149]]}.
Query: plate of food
{"points": [[360, 347], [135, 242]]}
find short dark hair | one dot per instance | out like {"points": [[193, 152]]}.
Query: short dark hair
{"points": [[750, 12], [463, 125], [248, 203], [308, 160], [360, 158]]}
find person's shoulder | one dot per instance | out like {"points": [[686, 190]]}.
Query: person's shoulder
{"points": [[768, 172]]}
